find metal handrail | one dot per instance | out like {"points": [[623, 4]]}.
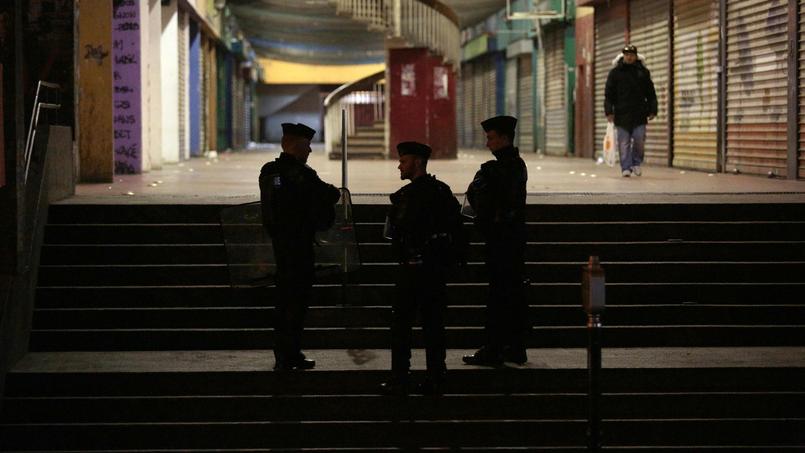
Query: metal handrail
{"points": [[37, 109], [347, 88]]}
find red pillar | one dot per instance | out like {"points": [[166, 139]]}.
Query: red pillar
{"points": [[422, 101]]}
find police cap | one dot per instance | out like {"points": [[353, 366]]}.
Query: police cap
{"points": [[501, 124], [629, 49], [414, 148], [298, 130]]}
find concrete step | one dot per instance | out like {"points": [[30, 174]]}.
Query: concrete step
{"points": [[537, 232], [379, 294], [373, 273], [380, 316], [167, 339], [375, 252], [679, 212]]}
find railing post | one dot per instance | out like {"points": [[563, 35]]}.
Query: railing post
{"points": [[344, 148], [593, 292]]}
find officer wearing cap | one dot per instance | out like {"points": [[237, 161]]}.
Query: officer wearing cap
{"points": [[497, 194], [295, 204], [630, 102], [425, 227]]}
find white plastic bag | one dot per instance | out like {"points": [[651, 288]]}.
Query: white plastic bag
{"points": [[609, 145]]}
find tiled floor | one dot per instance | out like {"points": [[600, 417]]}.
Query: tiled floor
{"points": [[232, 177]]}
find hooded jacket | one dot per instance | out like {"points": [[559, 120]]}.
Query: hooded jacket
{"points": [[629, 93]]}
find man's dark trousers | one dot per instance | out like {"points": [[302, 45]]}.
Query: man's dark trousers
{"points": [[419, 288], [294, 281]]}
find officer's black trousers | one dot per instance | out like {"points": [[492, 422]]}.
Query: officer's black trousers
{"points": [[507, 310], [294, 281], [420, 288]]}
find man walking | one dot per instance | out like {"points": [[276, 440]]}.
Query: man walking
{"points": [[630, 101], [497, 195], [295, 204], [427, 238]]}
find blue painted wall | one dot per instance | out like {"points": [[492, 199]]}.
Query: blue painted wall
{"points": [[194, 85]]}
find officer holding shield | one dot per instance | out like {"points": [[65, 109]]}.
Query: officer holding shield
{"points": [[295, 204]]}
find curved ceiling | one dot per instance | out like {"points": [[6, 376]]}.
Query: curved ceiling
{"points": [[309, 31]]}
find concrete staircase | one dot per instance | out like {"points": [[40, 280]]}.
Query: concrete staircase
{"points": [[368, 142], [140, 345]]}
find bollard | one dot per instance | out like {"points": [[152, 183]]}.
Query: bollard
{"points": [[593, 290]]}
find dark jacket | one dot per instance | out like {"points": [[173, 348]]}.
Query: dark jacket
{"points": [[294, 201], [630, 95], [498, 192], [426, 222]]}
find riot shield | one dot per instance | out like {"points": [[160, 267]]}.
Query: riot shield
{"points": [[336, 249], [249, 254], [466, 208]]}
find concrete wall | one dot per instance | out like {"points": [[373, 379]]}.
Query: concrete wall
{"points": [[279, 104]]}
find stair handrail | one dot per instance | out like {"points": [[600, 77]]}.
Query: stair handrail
{"points": [[334, 103], [424, 23], [32, 213], [350, 87]]}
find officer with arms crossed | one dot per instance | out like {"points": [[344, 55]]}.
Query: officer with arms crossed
{"points": [[425, 227], [295, 204], [497, 195]]}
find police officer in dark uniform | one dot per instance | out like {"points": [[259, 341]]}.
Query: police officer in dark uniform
{"points": [[498, 196], [295, 204], [425, 227]]}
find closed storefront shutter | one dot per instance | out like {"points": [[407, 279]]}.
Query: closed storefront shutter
{"points": [[184, 68], [511, 87], [695, 84], [610, 26], [649, 20], [555, 93], [801, 89], [489, 84], [469, 99], [757, 84], [459, 107], [525, 104], [204, 102], [478, 101]]}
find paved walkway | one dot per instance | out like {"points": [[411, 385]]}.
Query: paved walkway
{"points": [[232, 178]]}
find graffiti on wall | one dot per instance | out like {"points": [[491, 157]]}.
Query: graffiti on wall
{"points": [[127, 109]]}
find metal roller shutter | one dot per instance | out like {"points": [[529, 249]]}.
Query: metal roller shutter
{"points": [[467, 106], [203, 102], [757, 84], [489, 84], [555, 93], [801, 89], [609, 40], [511, 87], [477, 101], [184, 65], [695, 84], [650, 30], [459, 105], [525, 104]]}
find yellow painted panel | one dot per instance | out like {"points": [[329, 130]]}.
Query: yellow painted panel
{"points": [[95, 133], [283, 72]]}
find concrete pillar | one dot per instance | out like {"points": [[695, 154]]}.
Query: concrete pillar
{"points": [[169, 67], [95, 133], [422, 101], [128, 87]]}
